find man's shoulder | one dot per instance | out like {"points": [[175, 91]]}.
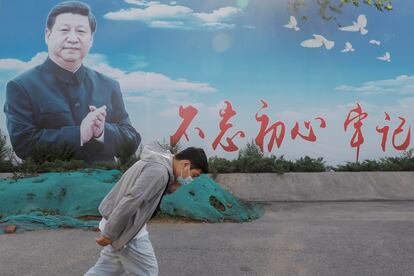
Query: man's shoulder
{"points": [[27, 75], [100, 77], [149, 164], [151, 167], [146, 170]]}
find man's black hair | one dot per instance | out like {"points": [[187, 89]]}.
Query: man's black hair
{"points": [[196, 156], [75, 7]]}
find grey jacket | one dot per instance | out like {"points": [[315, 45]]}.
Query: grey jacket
{"points": [[133, 200]]}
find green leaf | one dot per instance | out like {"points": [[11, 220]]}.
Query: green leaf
{"points": [[388, 7]]}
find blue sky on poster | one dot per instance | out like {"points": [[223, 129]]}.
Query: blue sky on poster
{"points": [[167, 53]]}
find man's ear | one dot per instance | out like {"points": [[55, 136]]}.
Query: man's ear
{"points": [[187, 163], [47, 35], [91, 41]]}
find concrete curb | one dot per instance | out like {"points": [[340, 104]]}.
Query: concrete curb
{"points": [[326, 186]]}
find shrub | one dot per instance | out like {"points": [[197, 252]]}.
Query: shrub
{"points": [[405, 162], [255, 164], [42, 153], [252, 160], [174, 149], [126, 154], [126, 157], [308, 164], [220, 165], [251, 150], [5, 154]]}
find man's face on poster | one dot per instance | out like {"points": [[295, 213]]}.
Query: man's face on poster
{"points": [[70, 39]]}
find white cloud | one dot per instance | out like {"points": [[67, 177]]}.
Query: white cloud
{"points": [[134, 62], [158, 15], [150, 84], [170, 112], [143, 3], [147, 83], [407, 103], [220, 15], [106, 69], [401, 85], [16, 65], [209, 110], [137, 99], [135, 83], [160, 84], [94, 58], [9, 64]]}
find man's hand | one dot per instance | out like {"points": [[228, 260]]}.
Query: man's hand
{"points": [[86, 130], [103, 241], [99, 122], [93, 124]]}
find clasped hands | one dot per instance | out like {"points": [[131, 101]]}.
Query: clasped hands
{"points": [[92, 126]]}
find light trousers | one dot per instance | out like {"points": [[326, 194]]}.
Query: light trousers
{"points": [[136, 258]]}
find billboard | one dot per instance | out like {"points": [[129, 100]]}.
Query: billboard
{"points": [[297, 78]]}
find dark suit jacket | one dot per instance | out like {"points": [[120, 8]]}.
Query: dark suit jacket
{"points": [[46, 105]]}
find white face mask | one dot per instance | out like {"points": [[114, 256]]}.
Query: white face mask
{"points": [[185, 181]]}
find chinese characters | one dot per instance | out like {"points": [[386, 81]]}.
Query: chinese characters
{"points": [[274, 131]]}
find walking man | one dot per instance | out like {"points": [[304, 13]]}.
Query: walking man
{"points": [[131, 203]]}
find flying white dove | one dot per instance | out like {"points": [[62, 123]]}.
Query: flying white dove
{"points": [[292, 24], [375, 42], [358, 26], [318, 41], [348, 48], [386, 57]]}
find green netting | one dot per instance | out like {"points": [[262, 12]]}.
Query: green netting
{"points": [[206, 200], [53, 200], [72, 194], [38, 220]]}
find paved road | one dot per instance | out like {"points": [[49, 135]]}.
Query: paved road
{"points": [[341, 238]]}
